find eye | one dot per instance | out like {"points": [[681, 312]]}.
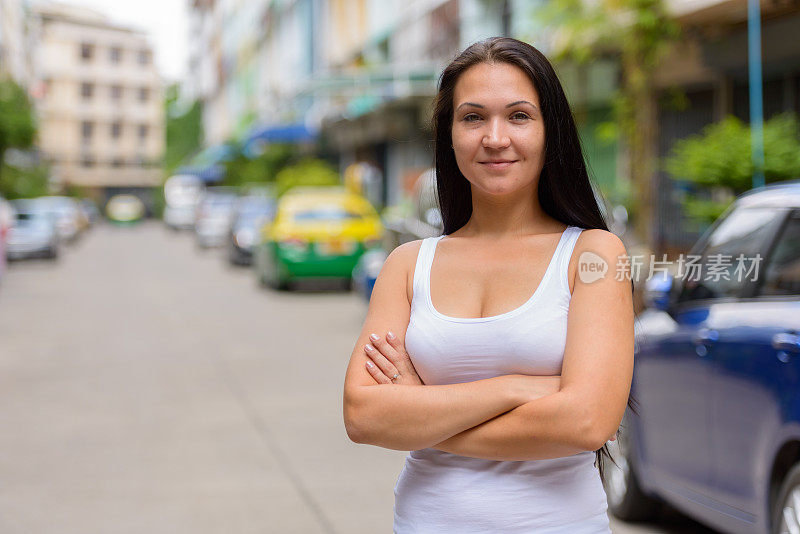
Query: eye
{"points": [[520, 115], [471, 117]]}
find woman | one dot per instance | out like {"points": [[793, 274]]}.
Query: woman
{"points": [[485, 352]]}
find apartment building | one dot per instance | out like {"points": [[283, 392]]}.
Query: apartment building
{"points": [[14, 57], [101, 123]]}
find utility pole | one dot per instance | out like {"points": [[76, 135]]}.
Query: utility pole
{"points": [[756, 96]]}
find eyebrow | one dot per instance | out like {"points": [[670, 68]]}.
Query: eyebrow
{"points": [[512, 104]]}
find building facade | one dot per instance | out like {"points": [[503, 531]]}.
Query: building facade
{"points": [[14, 41], [101, 121]]}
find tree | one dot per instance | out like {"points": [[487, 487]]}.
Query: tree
{"points": [[242, 169], [718, 160], [639, 32], [184, 129], [17, 130], [309, 172]]}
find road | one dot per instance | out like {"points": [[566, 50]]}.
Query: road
{"points": [[146, 386]]}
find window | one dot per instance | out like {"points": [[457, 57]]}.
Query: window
{"points": [[782, 275], [143, 57], [87, 161], [117, 162], [144, 94], [116, 130], [87, 51], [115, 54], [142, 132], [719, 274], [87, 128], [87, 90], [116, 92]]}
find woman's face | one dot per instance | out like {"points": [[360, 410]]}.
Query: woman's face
{"points": [[498, 130]]}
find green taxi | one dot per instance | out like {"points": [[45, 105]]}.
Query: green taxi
{"points": [[318, 232]]}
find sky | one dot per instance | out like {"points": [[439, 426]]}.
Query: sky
{"points": [[164, 21]]}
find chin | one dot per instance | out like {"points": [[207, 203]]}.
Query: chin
{"points": [[499, 186]]}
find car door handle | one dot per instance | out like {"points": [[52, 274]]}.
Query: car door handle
{"points": [[705, 336], [786, 341]]}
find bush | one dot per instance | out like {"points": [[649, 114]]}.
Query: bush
{"points": [[241, 169], [306, 172], [718, 161], [24, 182]]}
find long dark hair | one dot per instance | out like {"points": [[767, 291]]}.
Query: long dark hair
{"points": [[564, 191]]}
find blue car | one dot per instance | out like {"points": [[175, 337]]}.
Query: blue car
{"points": [[717, 378]]}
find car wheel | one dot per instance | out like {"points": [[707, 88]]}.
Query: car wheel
{"points": [[273, 275], [52, 253], [786, 510], [626, 500]]}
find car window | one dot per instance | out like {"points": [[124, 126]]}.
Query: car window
{"points": [[326, 214], [730, 258], [782, 274]]}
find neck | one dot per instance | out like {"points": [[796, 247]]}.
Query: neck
{"points": [[511, 216]]}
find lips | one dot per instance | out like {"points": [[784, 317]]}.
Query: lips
{"points": [[498, 164]]}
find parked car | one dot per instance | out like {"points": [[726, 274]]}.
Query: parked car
{"points": [[90, 211], [70, 221], [251, 213], [214, 216], [182, 193], [34, 232], [125, 209], [366, 271], [318, 232], [6, 221], [717, 378]]}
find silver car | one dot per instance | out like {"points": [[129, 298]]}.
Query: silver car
{"points": [[32, 235], [214, 217]]}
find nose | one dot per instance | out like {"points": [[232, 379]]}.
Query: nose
{"points": [[496, 136]]}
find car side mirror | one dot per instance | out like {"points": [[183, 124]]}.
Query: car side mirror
{"points": [[657, 291]]}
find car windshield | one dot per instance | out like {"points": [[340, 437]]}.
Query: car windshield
{"points": [[31, 220], [252, 210], [325, 214]]}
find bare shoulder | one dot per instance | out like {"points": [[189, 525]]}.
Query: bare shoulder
{"points": [[594, 243], [404, 257], [401, 263], [601, 242]]}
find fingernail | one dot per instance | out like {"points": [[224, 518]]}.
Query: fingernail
{"points": [[369, 364], [389, 335], [374, 337], [368, 347]]}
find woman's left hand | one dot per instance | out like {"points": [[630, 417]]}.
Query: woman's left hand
{"points": [[388, 362]]}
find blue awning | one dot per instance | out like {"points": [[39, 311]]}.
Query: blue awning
{"points": [[210, 174], [207, 165], [284, 133]]}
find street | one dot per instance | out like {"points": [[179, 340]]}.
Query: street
{"points": [[147, 386]]}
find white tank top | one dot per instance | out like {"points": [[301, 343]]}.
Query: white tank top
{"points": [[439, 492]]}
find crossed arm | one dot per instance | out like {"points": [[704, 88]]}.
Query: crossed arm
{"points": [[512, 417]]}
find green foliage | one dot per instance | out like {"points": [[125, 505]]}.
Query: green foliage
{"points": [[586, 30], [184, 129], [720, 155], [719, 160], [24, 182], [17, 125], [17, 130], [264, 168], [309, 171]]}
